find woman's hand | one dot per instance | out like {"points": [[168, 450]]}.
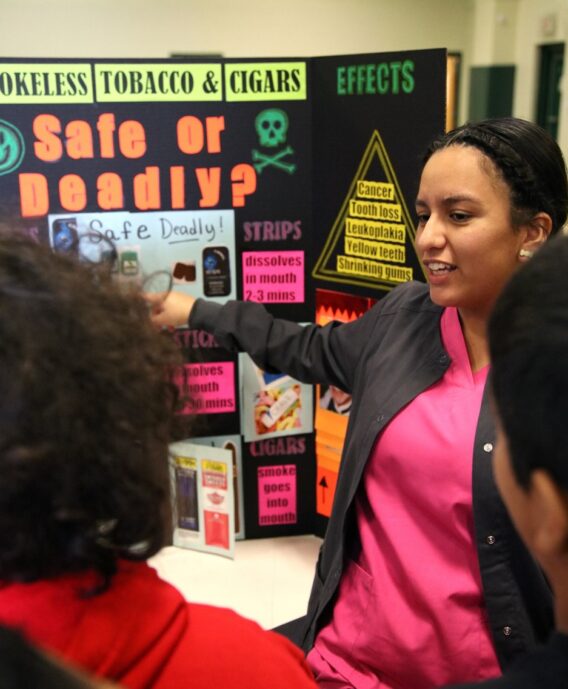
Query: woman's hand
{"points": [[173, 311]]}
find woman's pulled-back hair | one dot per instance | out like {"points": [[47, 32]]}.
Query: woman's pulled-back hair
{"points": [[528, 159], [85, 410]]}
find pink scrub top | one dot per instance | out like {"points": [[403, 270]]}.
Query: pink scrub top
{"points": [[410, 612]]}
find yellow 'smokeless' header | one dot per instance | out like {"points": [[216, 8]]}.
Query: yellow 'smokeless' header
{"points": [[24, 83]]}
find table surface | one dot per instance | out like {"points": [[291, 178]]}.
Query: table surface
{"points": [[269, 580]]}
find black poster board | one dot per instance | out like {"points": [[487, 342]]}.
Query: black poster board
{"points": [[374, 116], [259, 179]]}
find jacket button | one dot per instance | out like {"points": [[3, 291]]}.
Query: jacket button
{"points": [[380, 418], [488, 447], [443, 359], [507, 631], [490, 540]]}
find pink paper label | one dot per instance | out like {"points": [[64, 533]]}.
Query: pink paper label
{"points": [[207, 388], [273, 277], [277, 495]]}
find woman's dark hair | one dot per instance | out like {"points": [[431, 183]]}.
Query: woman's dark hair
{"points": [[528, 159], [85, 408], [528, 340]]}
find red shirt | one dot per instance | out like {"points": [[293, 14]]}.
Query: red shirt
{"points": [[143, 634]]}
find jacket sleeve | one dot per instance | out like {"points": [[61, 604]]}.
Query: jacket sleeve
{"points": [[309, 353]]}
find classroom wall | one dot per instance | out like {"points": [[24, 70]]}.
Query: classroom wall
{"points": [[129, 28], [236, 28], [494, 32]]}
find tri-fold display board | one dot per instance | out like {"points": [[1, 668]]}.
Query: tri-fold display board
{"points": [[289, 182]]}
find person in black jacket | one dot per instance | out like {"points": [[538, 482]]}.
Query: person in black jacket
{"points": [[528, 338], [422, 579]]}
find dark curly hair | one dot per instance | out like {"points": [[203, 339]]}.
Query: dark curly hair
{"points": [[528, 159], [85, 409]]}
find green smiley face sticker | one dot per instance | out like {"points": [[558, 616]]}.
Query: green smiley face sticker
{"points": [[12, 147]]}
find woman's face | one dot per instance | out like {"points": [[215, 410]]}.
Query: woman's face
{"points": [[465, 237]]}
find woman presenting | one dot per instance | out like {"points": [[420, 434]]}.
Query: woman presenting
{"points": [[421, 579]]}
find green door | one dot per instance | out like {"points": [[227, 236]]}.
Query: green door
{"points": [[550, 72]]}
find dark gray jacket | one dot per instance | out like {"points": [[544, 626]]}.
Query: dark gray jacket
{"points": [[385, 359], [547, 668]]}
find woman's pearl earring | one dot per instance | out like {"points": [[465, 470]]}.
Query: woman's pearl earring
{"points": [[526, 253]]}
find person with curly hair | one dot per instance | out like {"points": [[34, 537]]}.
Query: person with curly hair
{"points": [[422, 579], [86, 404]]}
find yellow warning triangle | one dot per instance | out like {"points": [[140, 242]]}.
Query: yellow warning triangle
{"points": [[373, 234]]}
